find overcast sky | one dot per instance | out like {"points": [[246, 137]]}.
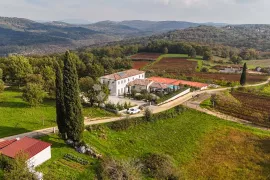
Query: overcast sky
{"points": [[227, 11]]}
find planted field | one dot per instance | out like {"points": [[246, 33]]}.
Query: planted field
{"points": [[200, 146], [139, 64], [251, 78], [145, 56], [247, 106], [174, 65]]}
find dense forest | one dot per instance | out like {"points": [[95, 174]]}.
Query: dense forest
{"points": [[240, 36]]}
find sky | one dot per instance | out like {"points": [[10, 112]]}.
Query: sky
{"points": [[223, 11]]}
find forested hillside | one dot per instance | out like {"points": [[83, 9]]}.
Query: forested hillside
{"points": [[24, 36], [240, 36]]}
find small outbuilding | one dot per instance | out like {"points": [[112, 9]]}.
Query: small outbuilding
{"points": [[38, 151]]}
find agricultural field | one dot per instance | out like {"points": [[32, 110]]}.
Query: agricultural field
{"points": [[145, 56], [17, 117], [251, 78], [139, 64], [244, 105], [174, 65], [198, 148], [252, 64]]}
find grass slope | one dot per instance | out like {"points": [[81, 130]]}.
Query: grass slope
{"points": [[191, 139], [16, 116]]}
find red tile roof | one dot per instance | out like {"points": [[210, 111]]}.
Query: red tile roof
{"points": [[6, 143], [123, 74], [27, 145], [177, 82]]}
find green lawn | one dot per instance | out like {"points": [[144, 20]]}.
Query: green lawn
{"points": [[16, 116], [255, 63], [189, 139]]}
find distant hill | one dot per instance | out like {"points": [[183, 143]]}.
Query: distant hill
{"points": [[29, 37], [25, 36], [241, 36]]}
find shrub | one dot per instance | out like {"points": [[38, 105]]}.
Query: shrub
{"points": [[120, 170], [204, 69], [121, 125], [148, 115], [158, 166], [5, 163]]}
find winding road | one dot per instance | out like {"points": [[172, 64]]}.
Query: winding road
{"points": [[185, 100]]}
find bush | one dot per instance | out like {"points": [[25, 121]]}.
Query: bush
{"points": [[158, 166], [121, 125], [204, 69], [5, 163], [148, 115], [120, 170]]}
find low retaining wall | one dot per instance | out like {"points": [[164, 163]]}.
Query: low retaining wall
{"points": [[176, 96]]}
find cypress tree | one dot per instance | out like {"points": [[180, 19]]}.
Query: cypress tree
{"points": [[243, 75], [60, 107], [73, 109]]}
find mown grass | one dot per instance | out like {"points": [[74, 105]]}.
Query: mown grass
{"points": [[191, 139], [17, 117]]}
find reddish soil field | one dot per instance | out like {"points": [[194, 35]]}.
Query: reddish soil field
{"points": [[252, 107], [139, 64], [145, 56], [174, 65], [251, 78]]}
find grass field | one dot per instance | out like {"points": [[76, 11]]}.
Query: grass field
{"points": [[202, 147], [255, 63], [16, 116]]}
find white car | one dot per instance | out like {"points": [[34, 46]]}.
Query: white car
{"points": [[133, 111]]}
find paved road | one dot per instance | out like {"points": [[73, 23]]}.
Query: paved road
{"points": [[155, 109]]}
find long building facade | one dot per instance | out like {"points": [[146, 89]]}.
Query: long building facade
{"points": [[117, 82]]}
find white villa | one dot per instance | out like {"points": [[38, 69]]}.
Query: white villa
{"points": [[117, 82]]}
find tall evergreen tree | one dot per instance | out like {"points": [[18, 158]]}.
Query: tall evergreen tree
{"points": [[60, 107], [243, 75], [73, 109]]}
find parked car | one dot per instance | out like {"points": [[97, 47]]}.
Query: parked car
{"points": [[133, 111]]}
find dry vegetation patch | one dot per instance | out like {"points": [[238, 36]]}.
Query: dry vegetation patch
{"points": [[231, 154]]}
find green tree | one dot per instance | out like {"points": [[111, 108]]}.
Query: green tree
{"points": [[93, 90], [35, 78], [73, 109], [19, 68], [33, 94], [59, 97], [18, 169], [192, 53], [207, 55], [165, 50], [236, 59], [48, 75], [243, 75]]}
